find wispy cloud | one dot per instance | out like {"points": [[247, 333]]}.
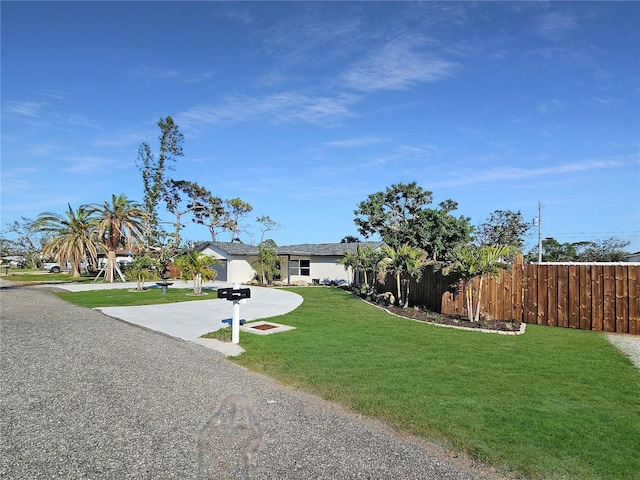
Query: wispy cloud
{"points": [[29, 109], [514, 173], [400, 64], [90, 164], [158, 73], [357, 142], [551, 106], [276, 108], [555, 23]]}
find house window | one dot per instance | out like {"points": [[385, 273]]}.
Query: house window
{"points": [[300, 267]]}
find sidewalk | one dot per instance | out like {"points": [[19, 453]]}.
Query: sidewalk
{"points": [[190, 320]]}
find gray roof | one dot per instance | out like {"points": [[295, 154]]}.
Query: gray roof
{"points": [[309, 249], [325, 249], [232, 248]]}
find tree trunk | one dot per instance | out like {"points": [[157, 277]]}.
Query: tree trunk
{"points": [[75, 269], [468, 293], [406, 294], [197, 284], [477, 319], [110, 269], [399, 289]]}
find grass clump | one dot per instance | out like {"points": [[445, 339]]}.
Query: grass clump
{"points": [[552, 403], [223, 334]]}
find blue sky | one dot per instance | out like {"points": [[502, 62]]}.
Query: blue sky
{"points": [[304, 109]]}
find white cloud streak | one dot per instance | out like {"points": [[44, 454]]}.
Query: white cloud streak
{"points": [[514, 173], [397, 66], [277, 108], [29, 109]]}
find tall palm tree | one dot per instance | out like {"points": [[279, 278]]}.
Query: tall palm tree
{"points": [[470, 261], [72, 237], [196, 266], [405, 262], [120, 223]]}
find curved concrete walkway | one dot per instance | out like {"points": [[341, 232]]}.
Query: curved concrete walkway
{"points": [[190, 320]]}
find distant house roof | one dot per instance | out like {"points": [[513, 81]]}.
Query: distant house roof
{"points": [[310, 249], [325, 249], [231, 248]]}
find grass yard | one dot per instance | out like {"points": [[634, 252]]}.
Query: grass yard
{"points": [[553, 403], [127, 298]]}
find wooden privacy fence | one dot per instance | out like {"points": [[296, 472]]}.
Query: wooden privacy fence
{"points": [[589, 296]]}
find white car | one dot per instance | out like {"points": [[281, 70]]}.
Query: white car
{"points": [[53, 267]]}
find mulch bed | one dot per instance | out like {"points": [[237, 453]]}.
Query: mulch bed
{"points": [[422, 315]]}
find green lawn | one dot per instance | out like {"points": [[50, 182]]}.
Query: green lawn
{"points": [[552, 403], [127, 298]]}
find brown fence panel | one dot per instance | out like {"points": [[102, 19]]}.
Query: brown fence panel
{"points": [[608, 304], [597, 298], [634, 301], [622, 298], [562, 298], [517, 290], [573, 299], [584, 272], [552, 295], [542, 295]]}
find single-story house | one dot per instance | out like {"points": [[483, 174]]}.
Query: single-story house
{"points": [[633, 257], [310, 263]]}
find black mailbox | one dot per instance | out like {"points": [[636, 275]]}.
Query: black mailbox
{"points": [[224, 292], [234, 294]]}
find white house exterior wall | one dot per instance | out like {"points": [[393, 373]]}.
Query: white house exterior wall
{"points": [[238, 268], [323, 268]]}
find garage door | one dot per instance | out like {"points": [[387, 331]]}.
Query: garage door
{"points": [[221, 268]]}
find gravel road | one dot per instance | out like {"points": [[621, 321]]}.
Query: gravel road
{"points": [[88, 396]]}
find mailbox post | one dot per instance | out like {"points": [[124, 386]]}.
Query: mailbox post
{"points": [[236, 295]]}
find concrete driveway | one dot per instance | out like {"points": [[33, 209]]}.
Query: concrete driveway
{"points": [[190, 320]]}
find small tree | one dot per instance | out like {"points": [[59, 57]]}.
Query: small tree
{"points": [[28, 240], [142, 268], [350, 262], [471, 261], [266, 265], [404, 263], [197, 266]]}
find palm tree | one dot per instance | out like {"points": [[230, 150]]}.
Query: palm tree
{"points": [[72, 237], [470, 261], [266, 265], [141, 268], [350, 262], [196, 266], [120, 223], [404, 263], [371, 258]]}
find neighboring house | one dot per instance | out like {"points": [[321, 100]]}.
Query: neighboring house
{"points": [[310, 263], [633, 257]]}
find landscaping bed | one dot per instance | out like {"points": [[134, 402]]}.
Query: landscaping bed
{"points": [[423, 315]]}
